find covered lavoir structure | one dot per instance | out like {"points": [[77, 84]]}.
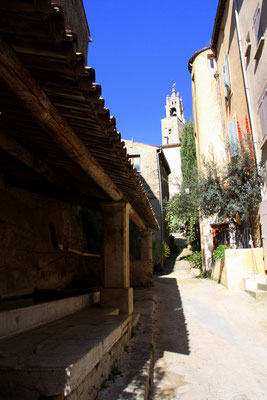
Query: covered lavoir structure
{"points": [[67, 195]]}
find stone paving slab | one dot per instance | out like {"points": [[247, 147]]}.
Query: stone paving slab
{"points": [[56, 358]]}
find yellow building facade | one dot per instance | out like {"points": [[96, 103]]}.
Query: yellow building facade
{"points": [[221, 104]]}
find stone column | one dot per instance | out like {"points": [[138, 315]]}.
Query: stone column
{"points": [[117, 291], [146, 257]]}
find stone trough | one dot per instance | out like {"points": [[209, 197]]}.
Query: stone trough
{"points": [[65, 358]]}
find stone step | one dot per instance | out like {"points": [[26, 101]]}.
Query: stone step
{"points": [[31, 316], [57, 359], [262, 286], [257, 294]]}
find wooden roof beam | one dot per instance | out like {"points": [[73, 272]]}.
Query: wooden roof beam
{"points": [[20, 81], [135, 218], [25, 157], [55, 192]]}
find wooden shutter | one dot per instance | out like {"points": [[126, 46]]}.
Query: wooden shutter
{"points": [[227, 72], [226, 77], [232, 137], [224, 85], [257, 28]]}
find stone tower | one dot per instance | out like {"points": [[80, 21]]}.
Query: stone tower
{"points": [[172, 129], [173, 125]]}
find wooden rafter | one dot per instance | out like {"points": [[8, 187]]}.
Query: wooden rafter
{"points": [[20, 81]]}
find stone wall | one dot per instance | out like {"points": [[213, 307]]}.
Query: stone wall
{"points": [[239, 264], [29, 225], [149, 176], [141, 273], [100, 374]]}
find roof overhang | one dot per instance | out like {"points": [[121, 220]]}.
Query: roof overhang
{"points": [[217, 23], [52, 109], [194, 56]]}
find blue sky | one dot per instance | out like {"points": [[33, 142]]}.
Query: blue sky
{"points": [[139, 49]]}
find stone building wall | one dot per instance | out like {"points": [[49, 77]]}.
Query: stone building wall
{"points": [[236, 106], [148, 174], [28, 259], [174, 160], [255, 59], [208, 124]]}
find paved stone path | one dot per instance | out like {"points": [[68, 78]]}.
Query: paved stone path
{"points": [[210, 343]]}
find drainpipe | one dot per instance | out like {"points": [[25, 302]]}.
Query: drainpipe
{"points": [[160, 194], [216, 76], [247, 91]]}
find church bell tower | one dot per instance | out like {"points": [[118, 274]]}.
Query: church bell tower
{"points": [[172, 128], [173, 125]]}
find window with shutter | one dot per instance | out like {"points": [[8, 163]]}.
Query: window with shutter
{"points": [[257, 28], [226, 77], [262, 112], [232, 137]]}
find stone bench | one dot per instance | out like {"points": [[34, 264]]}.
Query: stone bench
{"points": [[56, 360]]}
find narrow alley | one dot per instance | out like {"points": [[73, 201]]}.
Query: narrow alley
{"points": [[210, 343], [133, 200]]}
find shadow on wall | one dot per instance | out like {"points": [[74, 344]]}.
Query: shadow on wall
{"points": [[155, 202]]}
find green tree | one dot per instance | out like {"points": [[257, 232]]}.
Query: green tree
{"points": [[182, 209], [231, 192], [188, 155]]}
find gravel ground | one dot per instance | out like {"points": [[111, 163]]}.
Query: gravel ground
{"points": [[210, 343]]}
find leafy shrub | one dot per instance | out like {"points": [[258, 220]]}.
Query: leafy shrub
{"points": [[160, 251], [219, 253], [195, 260]]}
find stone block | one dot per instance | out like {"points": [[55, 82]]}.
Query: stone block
{"points": [[118, 297], [258, 294], [262, 286]]}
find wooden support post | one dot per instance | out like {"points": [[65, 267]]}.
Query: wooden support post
{"points": [[117, 291], [146, 258]]}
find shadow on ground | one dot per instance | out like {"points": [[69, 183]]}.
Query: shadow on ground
{"points": [[170, 326], [170, 330], [162, 329]]}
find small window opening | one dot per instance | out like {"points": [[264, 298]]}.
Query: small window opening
{"points": [[135, 161], [212, 62]]}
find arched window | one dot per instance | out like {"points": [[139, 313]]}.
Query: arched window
{"points": [[173, 112]]}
